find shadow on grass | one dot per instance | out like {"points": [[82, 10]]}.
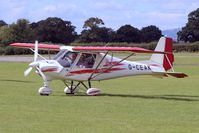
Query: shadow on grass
{"points": [[186, 98], [14, 80], [162, 97]]}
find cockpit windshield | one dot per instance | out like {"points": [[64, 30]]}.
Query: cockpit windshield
{"points": [[58, 55], [65, 58]]}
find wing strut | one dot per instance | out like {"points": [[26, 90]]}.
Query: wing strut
{"points": [[111, 66], [97, 66], [38, 54]]}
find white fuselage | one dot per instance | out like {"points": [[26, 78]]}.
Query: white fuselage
{"points": [[110, 67]]}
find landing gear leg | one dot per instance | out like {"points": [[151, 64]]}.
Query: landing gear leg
{"points": [[89, 83], [71, 89], [45, 90]]}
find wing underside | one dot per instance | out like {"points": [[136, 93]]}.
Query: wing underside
{"points": [[86, 49], [115, 49]]}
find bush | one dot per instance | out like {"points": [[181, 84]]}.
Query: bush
{"points": [[194, 47], [9, 50], [18, 51], [2, 51], [152, 45], [189, 47]]}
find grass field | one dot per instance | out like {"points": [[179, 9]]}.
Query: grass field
{"points": [[142, 104]]}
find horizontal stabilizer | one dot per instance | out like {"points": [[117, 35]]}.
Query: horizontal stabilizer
{"points": [[174, 74], [177, 74]]}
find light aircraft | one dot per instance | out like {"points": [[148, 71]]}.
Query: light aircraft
{"points": [[77, 65]]}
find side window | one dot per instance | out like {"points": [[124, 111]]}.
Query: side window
{"points": [[86, 60], [68, 59]]}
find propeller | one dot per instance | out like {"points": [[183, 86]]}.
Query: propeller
{"points": [[36, 51], [34, 63], [27, 71]]}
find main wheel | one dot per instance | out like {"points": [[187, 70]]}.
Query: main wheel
{"points": [[44, 94], [93, 92]]}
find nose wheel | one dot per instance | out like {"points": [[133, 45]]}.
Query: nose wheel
{"points": [[45, 90]]}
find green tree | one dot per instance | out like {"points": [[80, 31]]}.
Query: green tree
{"points": [[191, 31], [93, 32], [6, 35], [54, 30], [16, 32], [150, 33], [23, 31], [2, 23], [128, 33], [97, 34], [92, 23]]}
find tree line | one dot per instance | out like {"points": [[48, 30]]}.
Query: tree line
{"points": [[190, 32], [56, 30]]}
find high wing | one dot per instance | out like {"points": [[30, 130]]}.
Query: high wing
{"points": [[40, 46], [118, 49], [43, 46]]}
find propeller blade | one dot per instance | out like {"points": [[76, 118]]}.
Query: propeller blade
{"points": [[36, 51], [34, 63], [27, 71]]}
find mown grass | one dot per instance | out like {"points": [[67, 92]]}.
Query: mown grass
{"points": [[133, 104]]}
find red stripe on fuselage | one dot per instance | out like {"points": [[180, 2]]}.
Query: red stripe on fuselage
{"points": [[103, 70], [49, 70], [115, 63], [154, 65]]}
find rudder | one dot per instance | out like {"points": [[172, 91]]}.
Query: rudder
{"points": [[169, 57]]}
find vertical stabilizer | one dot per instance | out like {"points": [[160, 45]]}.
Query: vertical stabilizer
{"points": [[165, 44]]}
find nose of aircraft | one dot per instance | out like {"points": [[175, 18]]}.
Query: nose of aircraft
{"points": [[34, 64], [47, 67], [42, 66]]}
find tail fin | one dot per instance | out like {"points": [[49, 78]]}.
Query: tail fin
{"points": [[165, 44]]}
